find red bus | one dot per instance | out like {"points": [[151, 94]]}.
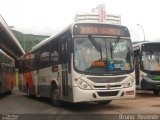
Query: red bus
{"points": [[7, 75]]}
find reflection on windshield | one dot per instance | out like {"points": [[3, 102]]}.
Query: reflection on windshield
{"points": [[151, 60], [113, 57]]}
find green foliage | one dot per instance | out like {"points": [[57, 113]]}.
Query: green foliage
{"points": [[27, 41]]}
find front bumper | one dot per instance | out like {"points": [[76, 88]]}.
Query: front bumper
{"points": [[149, 84], [80, 95]]}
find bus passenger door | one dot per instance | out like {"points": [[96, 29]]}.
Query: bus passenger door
{"points": [[36, 73], [64, 70], [137, 71]]}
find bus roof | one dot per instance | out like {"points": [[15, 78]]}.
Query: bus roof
{"points": [[45, 41], [139, 44]]}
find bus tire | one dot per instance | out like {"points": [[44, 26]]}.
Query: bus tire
{"points": [[105, 102], [156, 92], [55, 98]]}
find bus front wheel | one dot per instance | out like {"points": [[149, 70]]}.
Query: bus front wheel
{"points": [[55, 98]]}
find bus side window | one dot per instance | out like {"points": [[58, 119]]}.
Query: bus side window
{"points": [[37, 60], [54, 57], [44, 56], [26, 66], [23, 66]]}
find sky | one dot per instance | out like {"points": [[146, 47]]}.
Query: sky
{"points": [[45, 17]]}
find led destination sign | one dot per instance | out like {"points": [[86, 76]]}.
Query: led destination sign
{"points": [[100, 29]]}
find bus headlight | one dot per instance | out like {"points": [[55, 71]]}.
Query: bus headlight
{"points": [[129, 83], [82, 84]]}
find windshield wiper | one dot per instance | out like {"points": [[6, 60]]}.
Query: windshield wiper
{"points": [[116, 43], [96, 45]]}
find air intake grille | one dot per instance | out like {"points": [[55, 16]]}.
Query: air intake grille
{"points": [[104, 94]]}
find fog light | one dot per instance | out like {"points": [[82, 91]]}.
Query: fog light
{"points": [[128, 84], [94, 95], [76, 79]]}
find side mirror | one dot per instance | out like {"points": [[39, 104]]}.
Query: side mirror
{"points": [[140, 56]]}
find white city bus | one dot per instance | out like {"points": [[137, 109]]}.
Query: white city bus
{"points": [[84, 62], [147, 66]]}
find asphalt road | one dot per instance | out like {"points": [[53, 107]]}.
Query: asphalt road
{"points": [[16, 103]]}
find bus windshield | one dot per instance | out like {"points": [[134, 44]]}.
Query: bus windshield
{"points": [[103, 55], [151, 60]]}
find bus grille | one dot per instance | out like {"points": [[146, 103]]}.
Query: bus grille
{"points": [[112, 93], [106, 79]]}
